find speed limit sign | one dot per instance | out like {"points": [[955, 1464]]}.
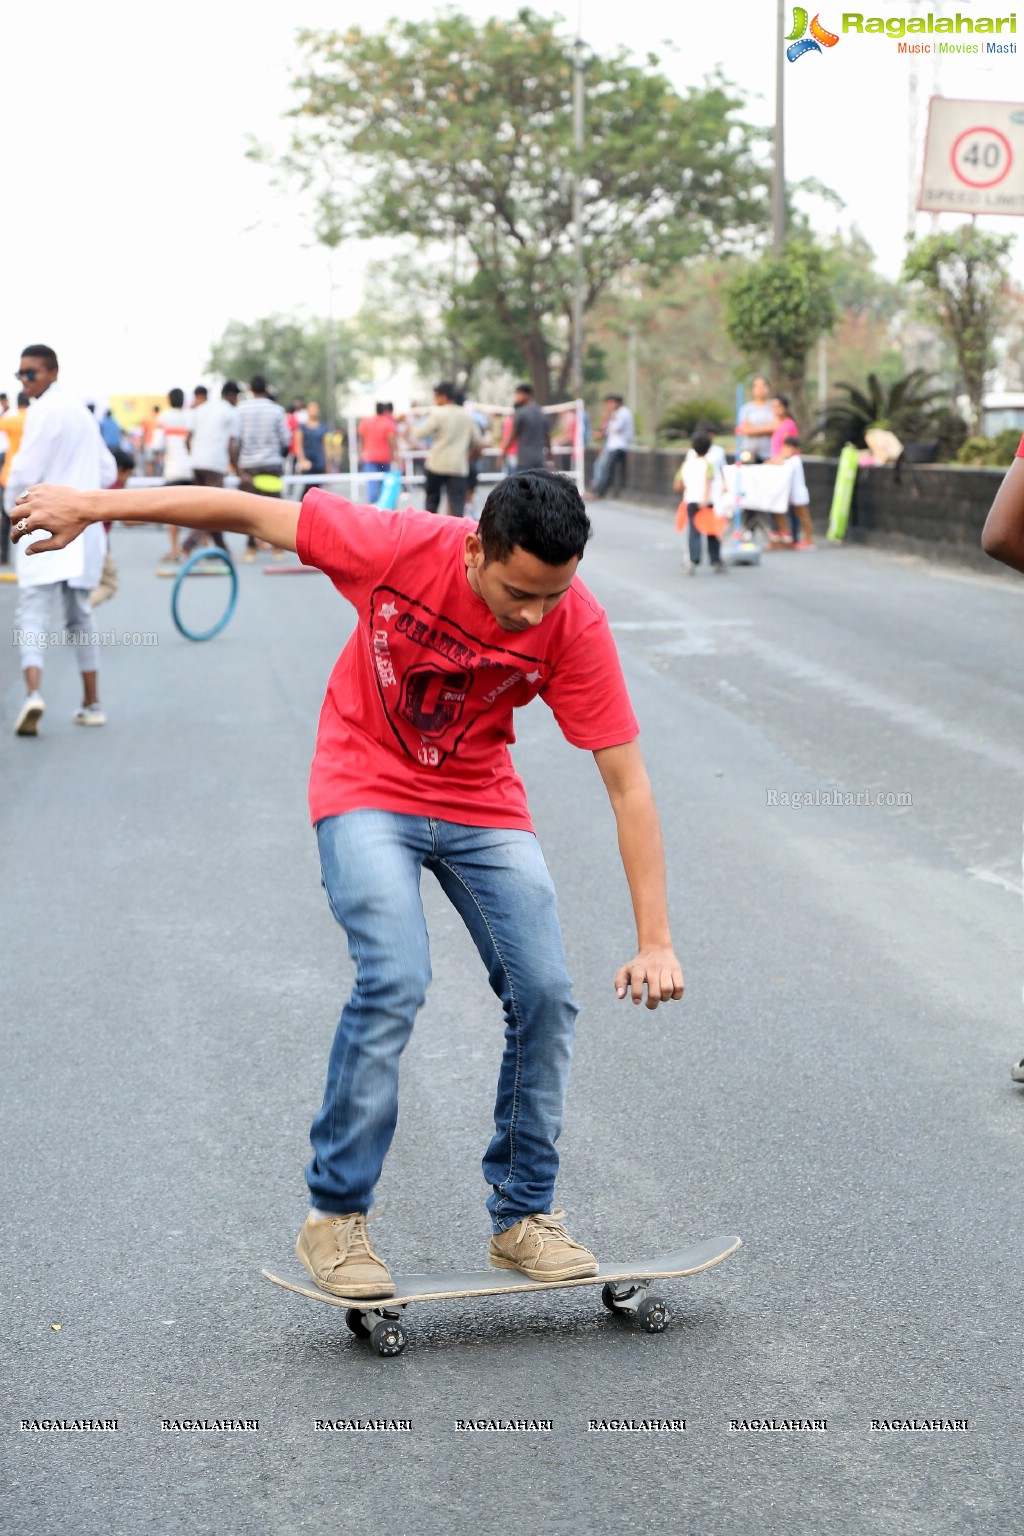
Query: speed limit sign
{"points": [[981, 157], [974, 157]]}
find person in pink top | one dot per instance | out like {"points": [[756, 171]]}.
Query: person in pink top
{"points": [[377, 445], [784, 427], [457, 624]]}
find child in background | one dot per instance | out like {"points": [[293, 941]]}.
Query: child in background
{"points": [[109, 580], [696, 478], [799, 497], [783, 427]]}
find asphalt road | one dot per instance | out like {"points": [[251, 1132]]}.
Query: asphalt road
{"points": [[834, 1087]]}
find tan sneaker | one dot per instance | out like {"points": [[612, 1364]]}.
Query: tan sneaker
{"points": [[340, 1257], [540, 1248]]}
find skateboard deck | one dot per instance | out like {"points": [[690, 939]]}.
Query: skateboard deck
{"points": [[625, 1288]]}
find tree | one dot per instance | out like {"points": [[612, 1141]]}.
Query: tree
{"points": [[290, 354], [961, 284], [461, 136], [776, 309]]}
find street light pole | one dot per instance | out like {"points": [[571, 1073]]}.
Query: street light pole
{"points": [[332, 385], [779, 167], [579, 66]]}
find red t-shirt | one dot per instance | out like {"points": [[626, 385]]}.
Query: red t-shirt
{"points": [[1020, 449], [374, 432], [418, 712]]}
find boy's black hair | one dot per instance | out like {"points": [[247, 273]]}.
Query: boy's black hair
{"points": [[524, 389], [791, 442], [536, 510], [176, 398], [446, 388], [45, 355], [700, 443], [22, 400], [123, 459]]}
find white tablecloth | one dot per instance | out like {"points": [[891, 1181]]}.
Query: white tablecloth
{"points": [[759, 487]]}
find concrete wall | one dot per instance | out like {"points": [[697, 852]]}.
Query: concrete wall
{"points": [[935, 510]]}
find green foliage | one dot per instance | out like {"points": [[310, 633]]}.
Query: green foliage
{"points": [[913, 408], [778, 307], [291, 355], [999, 450], [683, 418], [460, 135], [960, 283]]}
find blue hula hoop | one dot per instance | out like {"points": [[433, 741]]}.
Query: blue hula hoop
{"points": [[179, 624]]}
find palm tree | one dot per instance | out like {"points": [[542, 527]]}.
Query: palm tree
{"points": [[914, 407]]}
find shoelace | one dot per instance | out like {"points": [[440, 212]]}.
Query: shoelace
{"points": [[355, 1235], [548, 1228]]}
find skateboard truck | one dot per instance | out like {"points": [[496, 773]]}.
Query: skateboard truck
{"points": [[385, 1331], [651, 1312]]}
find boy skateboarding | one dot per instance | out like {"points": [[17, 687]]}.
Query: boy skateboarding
{"points": [[1003, 538], [457, 625]]}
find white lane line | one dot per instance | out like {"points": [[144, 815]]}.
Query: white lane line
{"points": [[988, 877]]}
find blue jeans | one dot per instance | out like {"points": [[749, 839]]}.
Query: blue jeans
{"points": [[374, 467], [499, 884]]}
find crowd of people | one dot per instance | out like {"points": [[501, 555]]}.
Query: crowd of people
{"points": [[204, 439]]}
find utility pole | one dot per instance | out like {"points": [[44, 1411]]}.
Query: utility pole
{"points": [[332, 385], [779, 167], [579, 65]]}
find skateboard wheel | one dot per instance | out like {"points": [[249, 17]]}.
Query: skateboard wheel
{"points": [[653, 1315], [388, 1338], [357, 1323], [608, 1298]]}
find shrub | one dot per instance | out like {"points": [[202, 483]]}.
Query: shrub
{"points": [[913, 407], [683, 418], [997, 451]]}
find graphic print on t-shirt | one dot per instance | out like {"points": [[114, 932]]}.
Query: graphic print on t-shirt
{"points": [[435, 679]]}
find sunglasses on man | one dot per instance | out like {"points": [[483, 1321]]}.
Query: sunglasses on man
{"points": [[26, 375]]}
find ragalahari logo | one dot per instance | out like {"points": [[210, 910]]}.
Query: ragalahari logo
{"points": [[799, 43]]}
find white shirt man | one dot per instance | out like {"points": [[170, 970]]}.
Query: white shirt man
{"points": [[619, 432], [61, 445], [618, 435], [214, 429]]}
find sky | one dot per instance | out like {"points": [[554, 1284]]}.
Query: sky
{"points": [[136, 228]]}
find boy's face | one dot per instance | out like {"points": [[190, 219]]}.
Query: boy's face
{"points": [[787, 451], [520, 591]]}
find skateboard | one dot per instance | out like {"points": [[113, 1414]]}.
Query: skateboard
{"points": [[625, 1288]]}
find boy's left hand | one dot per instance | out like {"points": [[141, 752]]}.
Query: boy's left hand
{"points": [[659, 969]]}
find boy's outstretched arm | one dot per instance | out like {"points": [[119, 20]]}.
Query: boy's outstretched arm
{"points": [[643, 859], [1003, 534], [63, 513]]}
